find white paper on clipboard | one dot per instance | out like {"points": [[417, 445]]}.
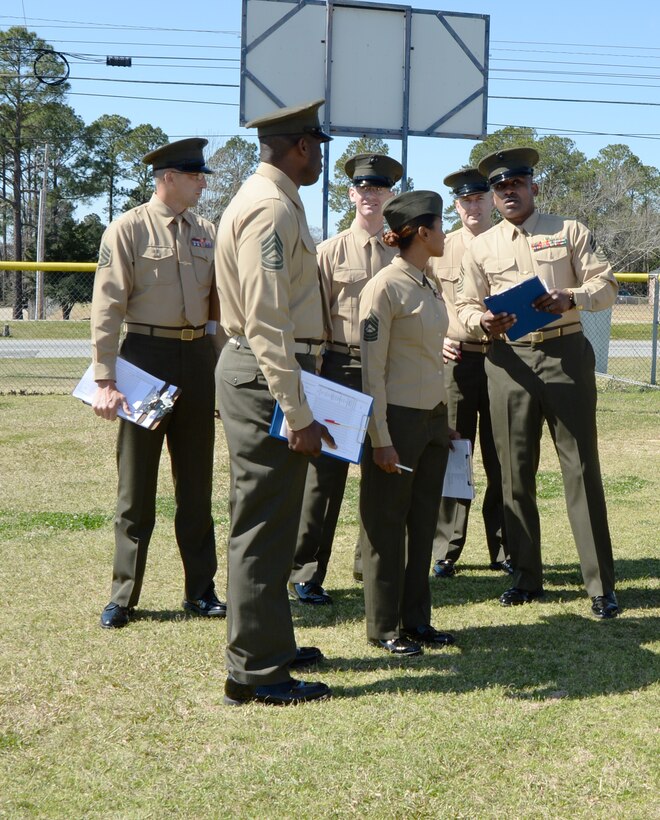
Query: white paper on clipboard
{"points": [[459, 479]]}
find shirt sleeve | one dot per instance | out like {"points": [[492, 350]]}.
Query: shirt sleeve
{"points": [[597, 287], [266, 249], [376, 317], [472, 287], [113, 283]]}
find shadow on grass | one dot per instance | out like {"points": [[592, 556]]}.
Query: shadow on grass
{"points": [[562, 656]]}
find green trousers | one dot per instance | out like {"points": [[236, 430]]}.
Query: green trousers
{"points": [[554, 382], [267, 484], [469, 409], [190, 434], [399, 516]]}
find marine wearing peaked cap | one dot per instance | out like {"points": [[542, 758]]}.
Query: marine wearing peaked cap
{"points": [[467, 181], [297, 119], [377, 170], [404, 208], [182, 155], [511, 162]]}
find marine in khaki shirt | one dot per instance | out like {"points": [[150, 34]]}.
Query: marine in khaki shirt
{"points": [[545, 376], [138, 279], [404, 324], [268, 283], [273, 313], [467, 387], [156, 275], [346, 263]]}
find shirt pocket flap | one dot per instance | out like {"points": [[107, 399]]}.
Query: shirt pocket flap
{"points": [[349, 275], [157, 252], [238, 378], [500, 264]]}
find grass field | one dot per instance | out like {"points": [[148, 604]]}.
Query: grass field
{"points": [[537, 711]]}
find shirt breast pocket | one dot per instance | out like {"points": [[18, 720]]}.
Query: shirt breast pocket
{"points": [[502, 271], [156, 265], [203, 262], [351, 280], [554, 266]]}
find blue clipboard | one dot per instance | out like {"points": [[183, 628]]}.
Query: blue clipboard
{"points": [[518, 300]]}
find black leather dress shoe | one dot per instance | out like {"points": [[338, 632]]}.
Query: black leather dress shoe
{"points": [[309, 593], [115, 616], [516, 596], [208, 606], [429, 636], [306, 656], [605, 606], [289, 692], [399, 646], [502, 566], [444, 569]]}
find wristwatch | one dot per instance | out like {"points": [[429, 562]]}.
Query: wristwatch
{"points": [[571, 296]]}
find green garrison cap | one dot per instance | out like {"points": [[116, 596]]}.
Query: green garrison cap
{"points": [[466, 182], [183, 155], [511, 162], [378, 170], [297, 119], [405, 207]]}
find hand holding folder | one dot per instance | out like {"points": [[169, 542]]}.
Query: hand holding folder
{"points": [[518, 300], [150, 398]]}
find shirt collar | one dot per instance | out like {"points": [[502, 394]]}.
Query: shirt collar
{"points": [[529, 225], [364, 236], [265, 169], [410, 270], [164, 211]]}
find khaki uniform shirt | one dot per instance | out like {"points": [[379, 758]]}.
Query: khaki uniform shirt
{"points": [[268, 282], [137, 279], [404, 321], [346, 262], [562, 252], [446, 270]]}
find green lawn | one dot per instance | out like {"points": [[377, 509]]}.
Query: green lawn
{"points": [[537, 711]]}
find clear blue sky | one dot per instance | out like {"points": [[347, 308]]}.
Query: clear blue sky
{"points": [[609, 50]]}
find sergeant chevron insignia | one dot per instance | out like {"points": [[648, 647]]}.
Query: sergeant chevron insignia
{"points": [[105, 255], [370, 329], [272, 257]]}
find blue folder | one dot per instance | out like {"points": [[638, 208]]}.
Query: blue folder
{"points": [[518, 300]]}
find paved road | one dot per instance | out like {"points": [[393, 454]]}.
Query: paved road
{"points": [[81, 348]]}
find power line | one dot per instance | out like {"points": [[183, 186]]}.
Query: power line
{"points": [[151, 99], [583, 102]]}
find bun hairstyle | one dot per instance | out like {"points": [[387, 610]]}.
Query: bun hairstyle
{"points": [[404, 236], [407, 212]]}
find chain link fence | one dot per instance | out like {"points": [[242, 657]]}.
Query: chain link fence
{"points": [[48, 349]]}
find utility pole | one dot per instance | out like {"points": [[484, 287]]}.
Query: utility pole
{"points": [[41, 240]]}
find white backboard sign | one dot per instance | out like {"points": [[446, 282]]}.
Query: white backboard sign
{"points": [[383, 69]]}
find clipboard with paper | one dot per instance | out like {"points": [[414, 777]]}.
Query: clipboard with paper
{"points": [[459, 478], [149, 397], [518, 300], [344, 411]]}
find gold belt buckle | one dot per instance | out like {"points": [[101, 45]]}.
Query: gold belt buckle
{"points": [[187, 334], [536, 337]]}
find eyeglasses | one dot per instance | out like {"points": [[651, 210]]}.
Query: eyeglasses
{"points": [[198, 175], [371, 189]]}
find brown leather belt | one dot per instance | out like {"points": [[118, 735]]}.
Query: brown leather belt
{"points": [[471, 347], [539, 336], [310, 347], [183, 334], [346, 350]]}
